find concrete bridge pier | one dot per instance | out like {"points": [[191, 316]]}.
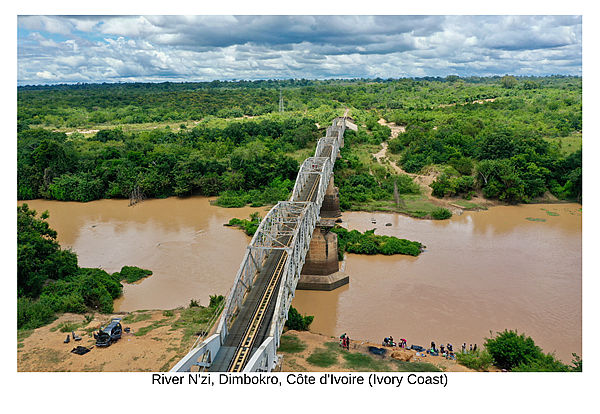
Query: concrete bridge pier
{"points": [[321, 268], [331, 202]]}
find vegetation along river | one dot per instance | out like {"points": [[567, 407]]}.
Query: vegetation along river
{"points": [[514, 267]]}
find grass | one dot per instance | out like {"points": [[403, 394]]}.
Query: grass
{"points": [[21, 335], [568, 144], [68, 326], [291, 344], [322, 357], [145, 329], [405, 366], [361, 362], [535, 219], [193, 320], [415, 205], [136, 317]]}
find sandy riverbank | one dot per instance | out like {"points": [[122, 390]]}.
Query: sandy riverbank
{"points": [[163, 344]]}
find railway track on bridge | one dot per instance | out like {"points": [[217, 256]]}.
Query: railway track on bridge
{"points": [[244, 349], [256, 308]]}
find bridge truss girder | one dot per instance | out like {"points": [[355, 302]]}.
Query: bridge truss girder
{"points": [[293, 221]]}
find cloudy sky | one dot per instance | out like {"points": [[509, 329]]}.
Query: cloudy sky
{"points": [[67, 49]]}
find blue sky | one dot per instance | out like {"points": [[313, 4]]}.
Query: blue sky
{"points": [[67, 49]]}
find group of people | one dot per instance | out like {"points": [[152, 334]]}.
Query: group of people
{"points": [[447, 351], [345, 341], [389, 341]]}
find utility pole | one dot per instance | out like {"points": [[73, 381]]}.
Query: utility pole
{"points": [[280, 102]]}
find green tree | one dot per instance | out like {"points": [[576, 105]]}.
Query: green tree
{"points": [[509, 349], [508, 81]]}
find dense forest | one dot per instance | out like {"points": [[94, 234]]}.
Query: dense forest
{"points": [[511, 139]]}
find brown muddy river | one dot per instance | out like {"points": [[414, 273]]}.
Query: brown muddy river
{"points": [[481, 271]]}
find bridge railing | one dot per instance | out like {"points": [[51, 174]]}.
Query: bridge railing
{"points": [[201, 356], [312, 166]]}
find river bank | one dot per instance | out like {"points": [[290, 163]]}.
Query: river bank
{"points": [[508, 267], [158, 339]]}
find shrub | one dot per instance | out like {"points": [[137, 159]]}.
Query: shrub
{"points": [[544, 363], [478, 360], [132, 274], [441, 214], [509, 349], [298, 322], [370, 243], [215, 300]]}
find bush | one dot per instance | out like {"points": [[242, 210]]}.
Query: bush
{"points": [[132, 274], [370, 243], [478, 360], [215, 300], [298, 322], [441, 214], [509, 349]]}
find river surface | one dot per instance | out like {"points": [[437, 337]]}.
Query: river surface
{"points": [[481, 271]]}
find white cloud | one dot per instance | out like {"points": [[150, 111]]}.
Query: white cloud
{"points": [[180, 48]]}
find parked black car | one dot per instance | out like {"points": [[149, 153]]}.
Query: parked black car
{"points": [[110, 334]]}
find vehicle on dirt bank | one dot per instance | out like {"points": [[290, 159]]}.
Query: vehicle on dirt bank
{"points": [[110, 334]]}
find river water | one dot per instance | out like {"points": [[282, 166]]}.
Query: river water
{"points": [[489, 270]]}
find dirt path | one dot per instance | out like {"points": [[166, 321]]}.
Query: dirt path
{"points": [[423, 180]]}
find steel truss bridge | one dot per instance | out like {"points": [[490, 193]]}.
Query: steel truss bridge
{"points": [[255, 311]]}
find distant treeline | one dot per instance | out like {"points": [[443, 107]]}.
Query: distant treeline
{"points": [[508, 144]]}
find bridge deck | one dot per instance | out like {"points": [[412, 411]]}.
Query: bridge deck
{"points": [[237, 331]]}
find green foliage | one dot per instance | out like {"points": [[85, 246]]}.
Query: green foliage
{"points": [[577, 363], [215, 300], [477, 360], [441, 214], [369, 243], [361, 362], [447, 121], [544, 363], [516, 352], [508, 81], [290, 344], [39, 256], [194, 303], [448, 185], [276, 191], [249, 226], [49, 281], [298, 322], [322, 358], [131, 274], [406, 366]]}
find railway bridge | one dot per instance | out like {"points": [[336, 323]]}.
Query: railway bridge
{"points": [[292, 236]]}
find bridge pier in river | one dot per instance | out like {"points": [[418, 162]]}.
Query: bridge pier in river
{"points": [[321, 268]]}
